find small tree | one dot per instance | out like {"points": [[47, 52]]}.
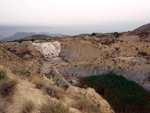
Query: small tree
{"points": [[32, 40], [93, 34], [116, 34], [20, 41]]}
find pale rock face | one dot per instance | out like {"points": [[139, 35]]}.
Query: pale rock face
{"points": [[50, 50]]}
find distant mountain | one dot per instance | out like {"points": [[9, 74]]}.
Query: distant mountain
{"points": [[37, 37], [52, 35], [143, 28], [20, 35], [83, 35]]}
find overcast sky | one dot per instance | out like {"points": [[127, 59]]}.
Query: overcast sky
{"points": [[74, 16]]}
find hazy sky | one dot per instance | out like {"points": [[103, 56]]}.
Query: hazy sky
{"points": [[75, 16]]}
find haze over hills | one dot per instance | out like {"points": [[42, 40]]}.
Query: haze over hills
{"points": [[20, 35], [145, 27]]}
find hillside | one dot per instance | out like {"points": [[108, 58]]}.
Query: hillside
{"points": [[145, 27]]}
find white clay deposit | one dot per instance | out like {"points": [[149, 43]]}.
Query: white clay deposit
{"points": [[50, 50]]}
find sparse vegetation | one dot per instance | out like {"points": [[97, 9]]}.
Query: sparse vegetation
{"points": [[27, 107], [7, 87], [54, 107], [86, 105], [123, 95]]}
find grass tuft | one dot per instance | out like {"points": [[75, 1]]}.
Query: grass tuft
{"points": [[54, 107], [7, 87], [27, 107]]}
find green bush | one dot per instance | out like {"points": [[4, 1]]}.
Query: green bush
{"points": [[2, 74], [116, 34], [54, 107], [7, 87], [93, 34], [123, 95], [27, 107]]}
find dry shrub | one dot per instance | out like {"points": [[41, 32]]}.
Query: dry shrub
{"points": [[38, 81], [27, 107], [7, 87], [2, 74], [21, 73], [87, 105], [39, 84], [54, 107], [55, 91]]}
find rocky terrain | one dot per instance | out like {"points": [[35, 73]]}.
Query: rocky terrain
{"points": [[47, 74]]}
